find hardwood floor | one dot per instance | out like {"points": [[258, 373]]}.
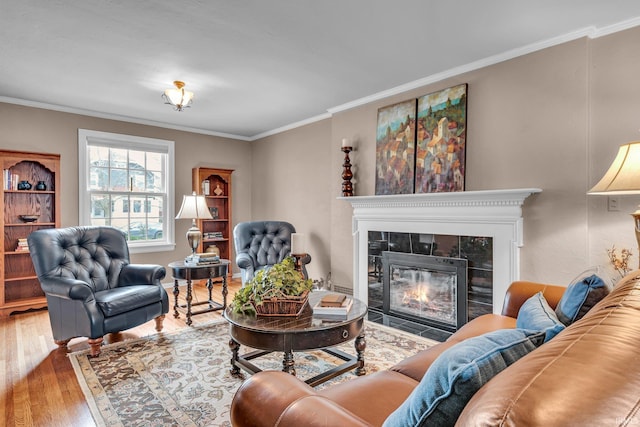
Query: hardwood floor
{"points": [[37, 384]]}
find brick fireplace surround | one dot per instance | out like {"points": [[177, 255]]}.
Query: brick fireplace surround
{"points": [[490, 213]]}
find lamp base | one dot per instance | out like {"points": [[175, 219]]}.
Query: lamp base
{"points": [[193, 237], [636, 220], [298, 262]]}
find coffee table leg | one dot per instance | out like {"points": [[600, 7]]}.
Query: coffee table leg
{"points": [[360, 345], [235, 348], [225, 291], [176, 291], [288, 363]]}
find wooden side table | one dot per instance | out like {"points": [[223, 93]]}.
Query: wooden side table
{"points": [[181, 271]]}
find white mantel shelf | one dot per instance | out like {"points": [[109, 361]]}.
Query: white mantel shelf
{"points": [[486, 198], [490, 213]]}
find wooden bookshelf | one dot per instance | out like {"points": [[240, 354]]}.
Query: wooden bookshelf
{"points": [[19, 286], [218, 231]]}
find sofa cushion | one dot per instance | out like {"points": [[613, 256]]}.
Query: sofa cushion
{"points": [[579, 297], [536, 315], [458, 373]]}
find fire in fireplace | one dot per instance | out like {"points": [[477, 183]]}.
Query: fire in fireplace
{"points": [[428, 289]]}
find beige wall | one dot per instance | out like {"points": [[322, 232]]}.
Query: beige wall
{"points": [[38, 130], [292, 181], [552, 119]]}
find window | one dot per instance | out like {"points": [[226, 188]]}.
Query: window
{"points": [[121, 174]]}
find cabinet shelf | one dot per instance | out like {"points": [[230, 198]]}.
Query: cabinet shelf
{"points": [[21, 304], [19, 286], [17, 279], [29, 192], [31, 224]]}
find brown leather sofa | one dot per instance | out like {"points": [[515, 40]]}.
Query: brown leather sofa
{"points": [[588, 375]]}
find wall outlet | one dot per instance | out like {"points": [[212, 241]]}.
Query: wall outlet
{"points": [[613, 204]]}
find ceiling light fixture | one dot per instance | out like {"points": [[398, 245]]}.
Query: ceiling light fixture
{"points": [[178, 97]]}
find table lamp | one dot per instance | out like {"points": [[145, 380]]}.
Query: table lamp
{"points": [[194, 207], [623, 177]]}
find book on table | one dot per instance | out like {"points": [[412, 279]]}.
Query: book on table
{"points": [[333, 312], [333, 300], [202, 259]]}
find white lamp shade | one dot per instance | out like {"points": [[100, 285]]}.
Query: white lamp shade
{"points": [[297, 243], [179, 96], [194, 207], [623, 176]]}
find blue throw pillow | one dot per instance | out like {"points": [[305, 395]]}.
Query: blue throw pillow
{"points": [[536, 314], [579, 297], [458, 373]]}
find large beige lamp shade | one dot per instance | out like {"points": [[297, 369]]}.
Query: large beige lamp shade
{"points": [[194, 207], [623, 177]]}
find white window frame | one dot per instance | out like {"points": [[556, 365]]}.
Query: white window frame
{"points": [[129, 142]]}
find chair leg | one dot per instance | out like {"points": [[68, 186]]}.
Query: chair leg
{"points": [[159, 321], [62, 343], [95, 344]]}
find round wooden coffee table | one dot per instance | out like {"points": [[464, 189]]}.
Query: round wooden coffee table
{"points": [[298, 333]]}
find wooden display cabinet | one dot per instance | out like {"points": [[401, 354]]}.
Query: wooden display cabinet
{"points": [[19, 286], [217, 231]]}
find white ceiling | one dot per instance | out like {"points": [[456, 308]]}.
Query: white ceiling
{"points": [[259, 66]]}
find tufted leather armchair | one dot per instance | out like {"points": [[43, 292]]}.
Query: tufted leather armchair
{"points": [[91, 288], [260, 244]]}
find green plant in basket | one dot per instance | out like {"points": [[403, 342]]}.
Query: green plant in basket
{"points": [[282, 280]]}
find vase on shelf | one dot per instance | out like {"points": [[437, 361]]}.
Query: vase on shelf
{"points": [[24, 185], [41, 186]]}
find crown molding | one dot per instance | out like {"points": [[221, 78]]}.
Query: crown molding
{"points": [[117, 117], [291, 126]]}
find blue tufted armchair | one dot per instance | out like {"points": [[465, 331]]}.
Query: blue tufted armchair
{"points": [[260, 244], [91, 288]]}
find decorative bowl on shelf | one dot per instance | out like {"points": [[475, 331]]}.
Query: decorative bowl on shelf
{"points": [[28, 218]]}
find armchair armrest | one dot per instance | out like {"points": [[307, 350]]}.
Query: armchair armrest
{"points": [[243, 260], [272, 398], [141, 274], [63, 287], [520, 291], [245, 263]]}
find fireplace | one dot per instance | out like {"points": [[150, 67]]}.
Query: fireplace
{"points": [[430, 290], [495, 214]]}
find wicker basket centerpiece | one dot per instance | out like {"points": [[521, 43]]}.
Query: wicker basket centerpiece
{"points": [[277, 291]]}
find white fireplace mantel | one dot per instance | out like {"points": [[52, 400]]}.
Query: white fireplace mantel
{"points": [[489, 213]]}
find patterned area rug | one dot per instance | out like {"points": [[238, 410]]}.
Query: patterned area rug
{"points": [[183, 379]]}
